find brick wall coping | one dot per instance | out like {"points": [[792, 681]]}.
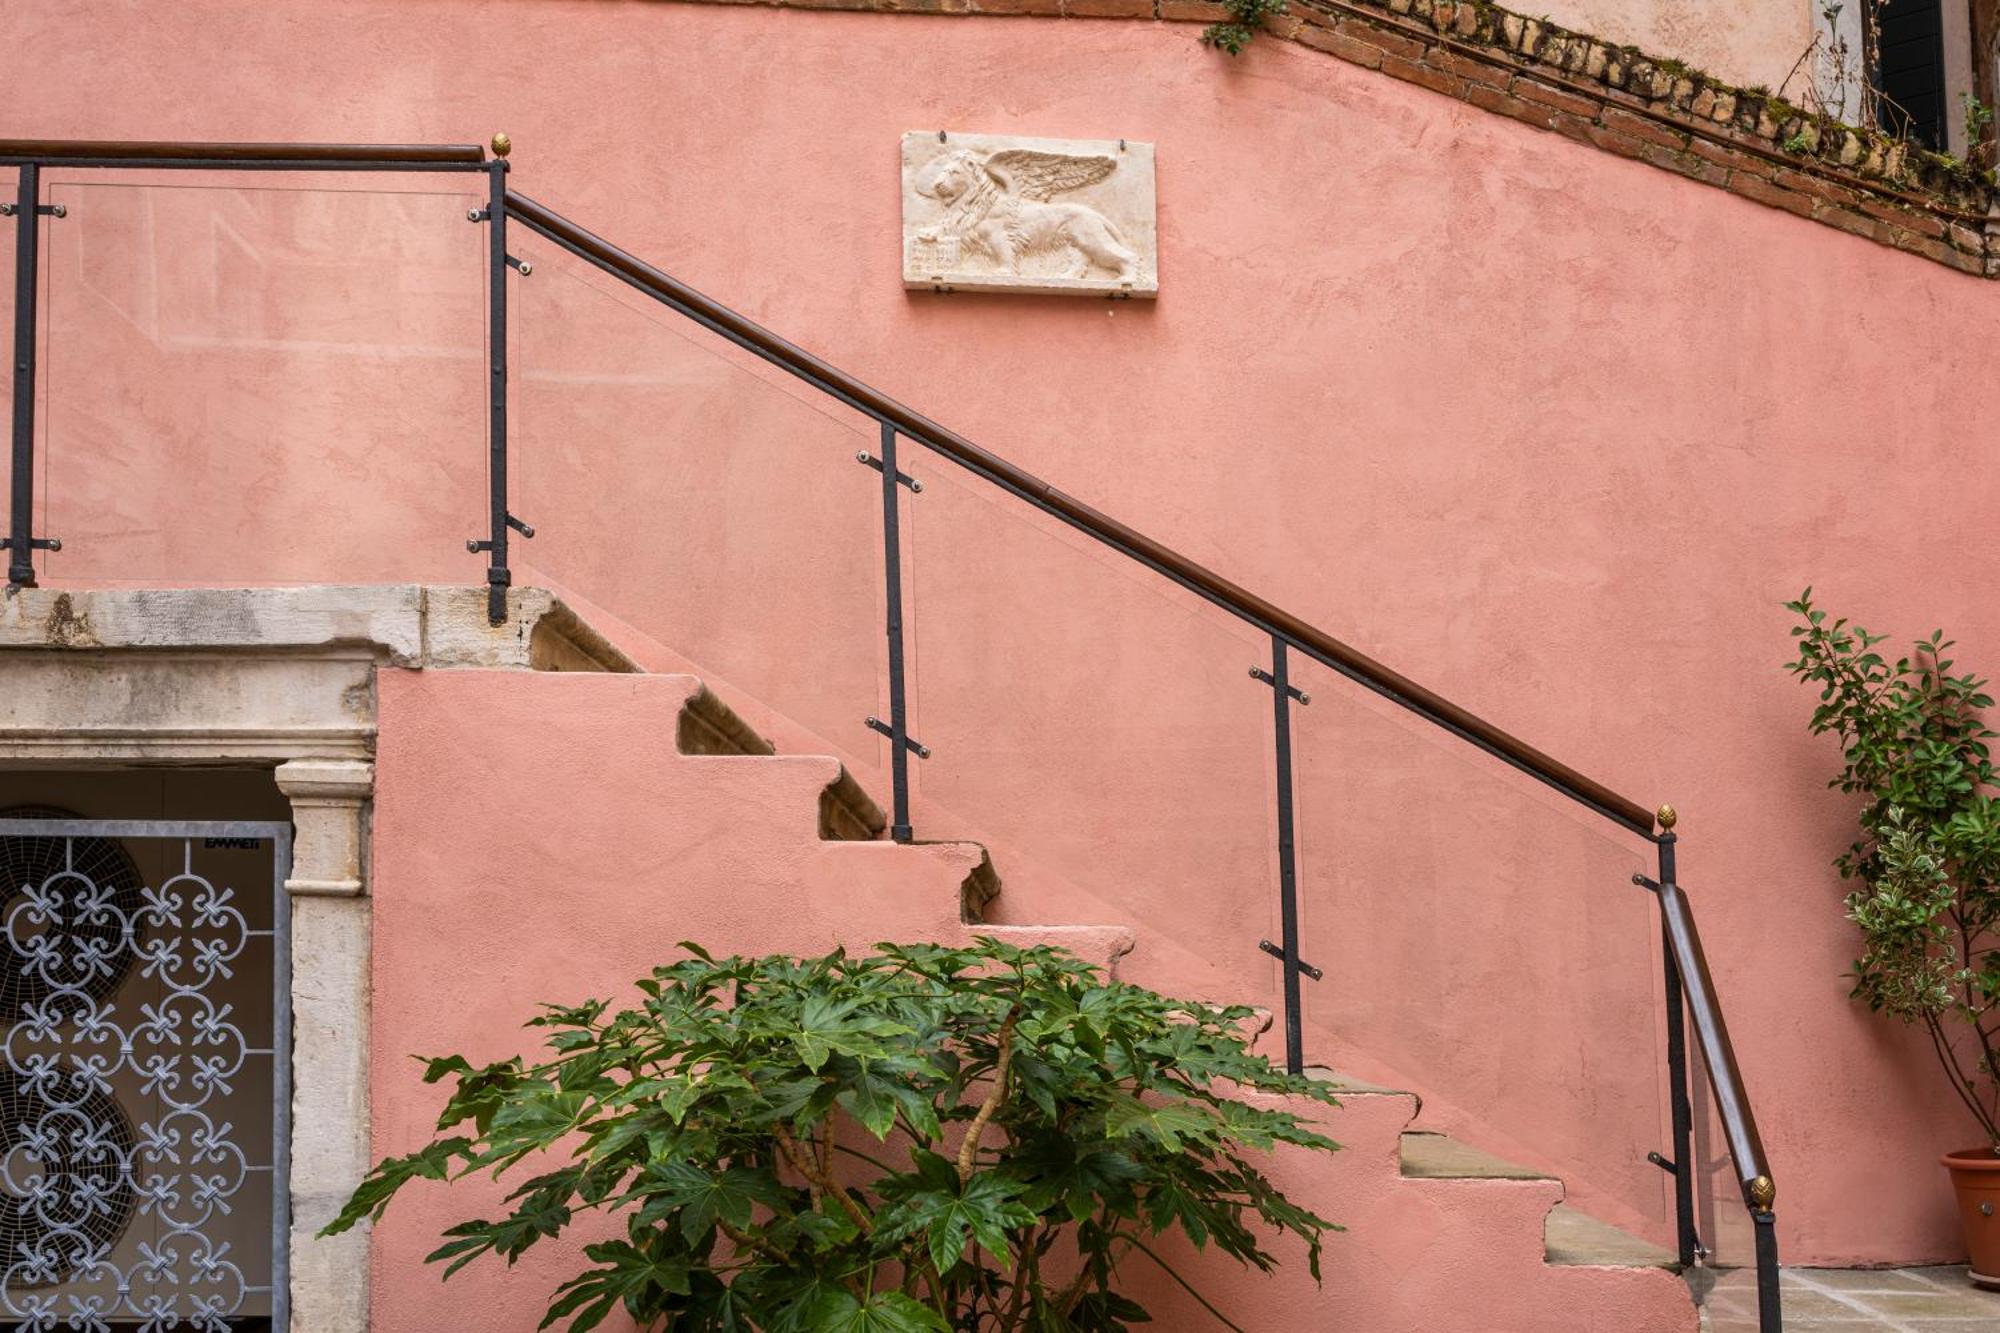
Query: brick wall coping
{"points": [[1614, 98]]}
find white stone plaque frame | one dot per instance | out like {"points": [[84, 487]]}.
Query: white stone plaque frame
{"points": [[1004, 213]]}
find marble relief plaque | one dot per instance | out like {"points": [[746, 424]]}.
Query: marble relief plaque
{"points": [[1002, 213]]}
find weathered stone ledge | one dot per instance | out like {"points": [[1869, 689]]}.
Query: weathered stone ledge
{"points": [[1614, 98], [404, 625]]}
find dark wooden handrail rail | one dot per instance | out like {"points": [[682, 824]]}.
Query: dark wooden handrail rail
{"points": [[249, 154], [1308, 638], [1739, 1125]]}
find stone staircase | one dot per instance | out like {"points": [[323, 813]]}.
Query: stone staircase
{"points": [[1570, 1236], [656, 813]]}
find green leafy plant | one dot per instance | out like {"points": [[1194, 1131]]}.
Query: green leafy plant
{"points": [[1246, 19], [1914, 745], [928, 1138], [1978, 124]]}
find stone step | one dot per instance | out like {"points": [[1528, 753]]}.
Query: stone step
{"points": [[847, 813], [1429, 1156], [1102, 946], [1570, 1236], [1573, 1237], [1348, 1086]]}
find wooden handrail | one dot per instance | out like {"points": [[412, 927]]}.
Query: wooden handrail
{"points": [[250, 154], [1739, 1124], [1309, 638]]}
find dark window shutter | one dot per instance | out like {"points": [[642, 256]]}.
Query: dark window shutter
{"points": [[1909, 70]]}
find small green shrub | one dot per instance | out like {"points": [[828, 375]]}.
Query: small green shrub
{"points": [[1978, 121], [1914, 745], [1246, 19], [924, 1139]]}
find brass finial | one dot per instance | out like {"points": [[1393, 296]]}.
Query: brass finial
{"points": [[502, 145], [1666, 814], [1762, 1191]]}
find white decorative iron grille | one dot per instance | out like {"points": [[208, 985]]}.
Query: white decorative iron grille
{"points": [[145, 1075]]}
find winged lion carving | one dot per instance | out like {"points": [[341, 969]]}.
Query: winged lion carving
{"points": [[1004, 205]]}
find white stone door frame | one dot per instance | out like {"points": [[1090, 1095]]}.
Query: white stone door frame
{"points": [[332, 952], [282, 678]]}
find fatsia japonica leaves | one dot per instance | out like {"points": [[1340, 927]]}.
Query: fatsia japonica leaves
{"points": [[926, 1140], [1914, 739]]}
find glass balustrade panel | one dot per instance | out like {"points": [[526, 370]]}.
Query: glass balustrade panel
{"points": [[1097, 726], [710, 509], [1483, 945], [262, 378]]}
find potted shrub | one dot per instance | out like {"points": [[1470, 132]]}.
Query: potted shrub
{"points": [[1926, 865], [925, 1139]]}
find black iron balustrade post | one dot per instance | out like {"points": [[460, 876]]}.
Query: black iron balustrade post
{"points": [[892, 562], [1288, 871], [1681, 1109], [499, 519], [1287, 950], [1770, 1314], [20, 541], [498, 576], [1691, 997]]}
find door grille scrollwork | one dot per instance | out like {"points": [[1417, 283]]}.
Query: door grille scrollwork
{"points": [[144, 1075]]}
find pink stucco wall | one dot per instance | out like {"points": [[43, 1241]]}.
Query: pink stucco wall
{"points": [[1551, 431]]}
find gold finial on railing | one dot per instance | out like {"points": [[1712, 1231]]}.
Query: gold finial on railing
{"points": [[1666, 815], [1762, 1191], [502, 145]]}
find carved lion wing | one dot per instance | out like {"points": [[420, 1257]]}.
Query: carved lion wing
{"points": [[1041, 176]]}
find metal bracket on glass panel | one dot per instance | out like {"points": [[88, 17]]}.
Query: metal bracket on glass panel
{"points": [[916, 487], [524, 267], [478, 544], [877, 724], [1293, 690], [1279, 954]]}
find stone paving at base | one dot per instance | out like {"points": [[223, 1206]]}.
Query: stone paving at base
{"points": [[1857, 1300]]}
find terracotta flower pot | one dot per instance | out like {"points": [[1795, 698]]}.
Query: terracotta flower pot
{"points": [[1975, 1174]]}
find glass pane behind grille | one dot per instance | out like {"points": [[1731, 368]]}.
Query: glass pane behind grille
{"points": [[142, 1080]]}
